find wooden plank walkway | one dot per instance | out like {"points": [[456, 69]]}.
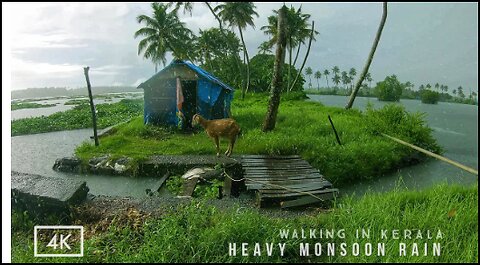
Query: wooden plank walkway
{"points": [[288, 181]]}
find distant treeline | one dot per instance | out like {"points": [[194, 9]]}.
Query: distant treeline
{"points": [[62, 91]]}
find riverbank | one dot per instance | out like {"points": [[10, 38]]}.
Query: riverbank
{"points": [[79, 117], [302, 129], [200, 231]]}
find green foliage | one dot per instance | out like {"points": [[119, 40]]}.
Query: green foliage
{"points": [[79, 117], [429, 97], [77, 102], [29, 105], [302, 128], [261, 74], [389, 89], [199, 232]]}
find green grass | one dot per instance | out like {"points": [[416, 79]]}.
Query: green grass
{"points": [[201, 233], [302, 128], [79, 117], [30, 105]]}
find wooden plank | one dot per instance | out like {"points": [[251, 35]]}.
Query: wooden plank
{"points": [[269, 156], [300, 175], [265, 170], [189, 187], [289, 181], [266, 188], [306, 200], [247, 161], [281, 191], [161, 182], [295, 194], [277, 168]]}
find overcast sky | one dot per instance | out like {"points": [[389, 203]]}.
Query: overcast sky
{"points": [[421, 42]]}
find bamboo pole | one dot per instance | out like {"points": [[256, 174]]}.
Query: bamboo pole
{"points": [[334, 130], [468, 169], [92, 106]]}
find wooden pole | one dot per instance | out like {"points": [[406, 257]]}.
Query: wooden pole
{"points": [[468, 169], [334, 130], [370, 58], [92, 107]]}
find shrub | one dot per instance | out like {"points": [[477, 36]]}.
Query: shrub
{"points": [[429, 97], [389, 89]]}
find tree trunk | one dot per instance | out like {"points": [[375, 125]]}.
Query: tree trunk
{"points": [[92, 107], [289, 60], [248, 64], [318, 85], [296, 55], [326, 78], [306, 56], [370, 58], [276, 86]]}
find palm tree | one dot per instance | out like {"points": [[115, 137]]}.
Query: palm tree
{"points": [[446, 88], [240, 15], [187, 6], [326, 73], [437, 86], [297, 32], [336, 80], [309, 72], [345, 79], [265, 48], [428, 86], [454, 92], [163, 32], [460, 92], [369, 79], [317, 76], [352, 73]]}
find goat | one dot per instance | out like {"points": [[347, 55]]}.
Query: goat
{"points": [[226, 128]]}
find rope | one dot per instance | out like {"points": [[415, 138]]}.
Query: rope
{"points": [[273, 185]]}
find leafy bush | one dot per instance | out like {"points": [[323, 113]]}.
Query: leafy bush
{"points": [[389, 89], [429, 97]]}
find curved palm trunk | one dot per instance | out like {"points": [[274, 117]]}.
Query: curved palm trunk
{"points": [[370, 58], [326, 78], [296, 55], [276, 86], [289, 60], [248, 64], [306, 56]]}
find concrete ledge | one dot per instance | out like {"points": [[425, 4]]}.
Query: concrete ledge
{"points": [[41, 195]]}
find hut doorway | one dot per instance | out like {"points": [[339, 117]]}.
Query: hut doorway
{"points": [[189, 105]]}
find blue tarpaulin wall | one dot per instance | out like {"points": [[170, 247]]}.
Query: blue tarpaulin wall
{"points": [[213, 96]]}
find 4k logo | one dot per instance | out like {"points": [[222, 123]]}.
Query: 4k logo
{"points": [[58, 241]]}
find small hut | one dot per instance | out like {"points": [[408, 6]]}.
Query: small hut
{"points": [[182, 89]]}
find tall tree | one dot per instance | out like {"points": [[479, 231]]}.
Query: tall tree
{"points": [[369, 79], [317, 76], [351, 74], [239, 15], [265, 48], [336, 80], [460, 92], [163, 32], [312, 33], [326, 73], [437, 86], [370, 58], [276, 87], [309, 72], [345, 79], [297, 32]]}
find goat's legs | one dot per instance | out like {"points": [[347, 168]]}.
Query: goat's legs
{"points": [[217, 145], [230, 146]]}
